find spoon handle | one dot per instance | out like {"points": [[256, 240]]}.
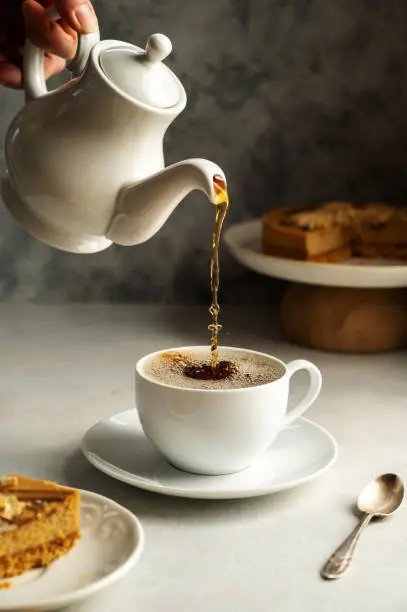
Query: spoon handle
{"points": [[339, 561]]}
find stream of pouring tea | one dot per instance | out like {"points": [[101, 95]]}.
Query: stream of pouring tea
{"points": [[222, 204]]}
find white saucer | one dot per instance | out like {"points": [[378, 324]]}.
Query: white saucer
{"points": [[244, 242], [111, 543], [118, 447]]}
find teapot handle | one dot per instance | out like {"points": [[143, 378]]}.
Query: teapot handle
{"points": [[33, 61]]}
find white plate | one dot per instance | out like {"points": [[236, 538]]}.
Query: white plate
{"points": [[244, 242], [118, 447], [111, 544]]}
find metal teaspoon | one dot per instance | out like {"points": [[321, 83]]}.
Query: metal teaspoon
{"points": [[379, 498]]}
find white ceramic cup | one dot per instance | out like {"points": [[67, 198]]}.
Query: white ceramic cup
{"points": [[217, 431]]}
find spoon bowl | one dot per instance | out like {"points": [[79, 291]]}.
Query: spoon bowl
{"points": [[382, 496]]}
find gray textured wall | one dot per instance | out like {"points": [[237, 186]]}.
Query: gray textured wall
{"points": [[298, 100]]}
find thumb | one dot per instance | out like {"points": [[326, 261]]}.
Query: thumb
{"points": [[79, 14]]}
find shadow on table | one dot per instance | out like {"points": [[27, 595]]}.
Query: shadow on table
{"points": [[80, 474]]}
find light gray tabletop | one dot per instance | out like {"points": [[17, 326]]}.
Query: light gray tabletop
{"points": [[64, 368]]}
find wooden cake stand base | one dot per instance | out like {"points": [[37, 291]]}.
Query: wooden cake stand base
{"points": [[346, 320]]}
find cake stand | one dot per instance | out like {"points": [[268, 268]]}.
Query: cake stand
{"points": [[356, 306]]}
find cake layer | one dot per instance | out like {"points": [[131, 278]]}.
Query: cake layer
{"points": [[335, 256], [41, 555], [45, 524], [381, 251]]}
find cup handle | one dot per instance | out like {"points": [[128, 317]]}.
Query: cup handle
{"points": [[313, 389], [33, 61]]}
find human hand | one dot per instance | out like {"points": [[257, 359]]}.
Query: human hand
{"points": [[21, 18]]}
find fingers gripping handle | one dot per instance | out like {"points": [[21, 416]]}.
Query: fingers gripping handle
{"points": [[33, 61], [85, 44], [313, 389]]}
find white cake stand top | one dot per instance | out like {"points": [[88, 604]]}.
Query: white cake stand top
{"points": [[244, 242]]}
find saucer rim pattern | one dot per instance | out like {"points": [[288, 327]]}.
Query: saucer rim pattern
{"points": [[153, 486]]}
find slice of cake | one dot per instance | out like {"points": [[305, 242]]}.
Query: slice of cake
{"points": [[39, 522], [335, 231], [380, 230], [318, 234]]}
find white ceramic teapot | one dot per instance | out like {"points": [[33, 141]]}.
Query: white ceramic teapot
{"points": [[85, 164]]}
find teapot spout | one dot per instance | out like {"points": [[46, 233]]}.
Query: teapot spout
{"points": [[143, 208]]}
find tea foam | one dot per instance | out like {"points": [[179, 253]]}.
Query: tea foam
{"points": [[251, 369]]}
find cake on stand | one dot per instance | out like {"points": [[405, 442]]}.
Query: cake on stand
{"points": [[359, 306]]}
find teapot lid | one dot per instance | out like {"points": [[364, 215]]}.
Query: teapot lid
{"points": [[141, 74]]}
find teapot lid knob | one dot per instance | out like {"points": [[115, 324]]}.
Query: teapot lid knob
{"points": [[158, 48]]}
